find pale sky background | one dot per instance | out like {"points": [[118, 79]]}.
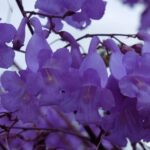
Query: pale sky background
{"points": [[118, 18]]}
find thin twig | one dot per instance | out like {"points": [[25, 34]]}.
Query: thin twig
{"points": [[112, 35], [67, 14], [142, 145], [69, 124], [17, 66], [91, 134], [134, 146], [21, 51], [19, 3], [46, 130], [99, 145]]}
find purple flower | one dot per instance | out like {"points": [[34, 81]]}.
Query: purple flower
{"points": [[19, 39], [131, 92], [142, 35], [145, 23], [6, 56], [57, 75], [22, 93], [6, 53], [82, 19], [75, 50], [116, 65], [67, 142], [124, 120], [79, 19], [132, 71], [7, 32], [86, 100], [33, 49], [136, 83]]}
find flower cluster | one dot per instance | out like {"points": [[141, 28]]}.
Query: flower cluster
{"points": [[66, 99]]}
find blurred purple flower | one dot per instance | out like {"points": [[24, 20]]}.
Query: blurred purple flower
{"points": [[83, 13], [7, 33], [21, 96]]}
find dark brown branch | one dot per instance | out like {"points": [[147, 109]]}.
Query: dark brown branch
{"points": [[112, 35], [19, 3], [17, 66], [6, 128], [69, 124], [21, 51], [91, 134], [142, 145], [99, 140], [134, 146], [67, 14]]}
